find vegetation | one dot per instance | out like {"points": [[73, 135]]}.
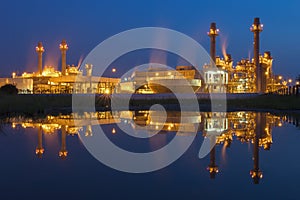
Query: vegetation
{"points": [[8, 89], [46, 104]]}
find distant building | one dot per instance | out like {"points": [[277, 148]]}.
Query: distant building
{"points": [[161, 80], [48, 80]]}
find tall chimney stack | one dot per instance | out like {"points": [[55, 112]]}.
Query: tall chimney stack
{"points": [[63, 48], [213, 33], [256, 28], [40, 50]]}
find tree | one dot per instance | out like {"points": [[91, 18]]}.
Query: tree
{"points": [[9, 89]]}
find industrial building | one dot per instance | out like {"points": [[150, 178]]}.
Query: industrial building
{"points": [[70, 79], [248, 76], [161, 80], [219, 76]]}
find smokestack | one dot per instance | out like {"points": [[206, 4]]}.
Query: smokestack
{"points": [[63, 48], [256, 28], [213, 33], [40, 50]]}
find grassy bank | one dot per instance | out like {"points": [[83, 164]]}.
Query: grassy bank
{"points": [[44, 104], [272, 102]]}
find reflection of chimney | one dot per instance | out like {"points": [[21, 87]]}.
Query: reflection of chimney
{"points": [[212, 167], [63, 151], [63, 48], [39, 151], [213, 33], [256, 29], [255, 173], [40, 50]]}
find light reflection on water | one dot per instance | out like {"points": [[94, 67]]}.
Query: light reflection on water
{"points": [[234, 130]]}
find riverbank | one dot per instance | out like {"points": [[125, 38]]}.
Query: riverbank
{"points": [[47, 104]]}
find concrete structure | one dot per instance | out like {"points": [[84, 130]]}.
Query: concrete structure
{"points": [[215, 78], [256, 28], [63, 48], [213, 33], [40, 50]]}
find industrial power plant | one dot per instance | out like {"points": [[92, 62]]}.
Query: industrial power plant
{"points": [[247, 76]]}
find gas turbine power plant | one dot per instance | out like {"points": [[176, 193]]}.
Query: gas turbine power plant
{"points": [[70, 79], [219, 76], [247, 76]]}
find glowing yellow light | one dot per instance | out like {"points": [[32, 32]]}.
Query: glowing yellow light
{"points": [[63, 154], [39, 151], [113, 131], [266, 73], [279, 124], [113, 70], [107, 91], [297, 83], [290, 80], [279, 77], [13, 125]]}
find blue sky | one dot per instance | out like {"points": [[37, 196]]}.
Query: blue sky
{"points": [[84, 24]]}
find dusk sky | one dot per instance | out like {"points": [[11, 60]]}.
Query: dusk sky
{"points": [[84, 24]]}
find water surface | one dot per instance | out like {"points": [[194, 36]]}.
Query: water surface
{"points": [[256, 156]]}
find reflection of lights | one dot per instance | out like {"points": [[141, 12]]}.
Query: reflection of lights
{"points": [[13, 125], [279, 124], [114, 70], [279, 77], [63, 154], [39, 151], [256, 174], [297, 83], [213, 169], [290, 80], [113, 131]]}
